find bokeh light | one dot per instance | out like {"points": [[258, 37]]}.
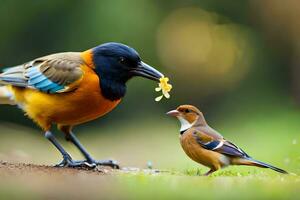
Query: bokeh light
{"points": [[204, 52]]}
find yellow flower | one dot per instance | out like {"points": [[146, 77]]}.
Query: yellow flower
{"points": [[165, 87]]}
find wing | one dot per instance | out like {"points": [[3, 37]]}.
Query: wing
{"points": [[219, 145], [55, 73], [209, 131]]}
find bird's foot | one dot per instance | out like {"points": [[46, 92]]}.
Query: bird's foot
{"points": [[209, 172], [69, 162], [110, 163]]}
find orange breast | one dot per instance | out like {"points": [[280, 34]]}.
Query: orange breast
{"points": [[84, 104], [199, 154]]}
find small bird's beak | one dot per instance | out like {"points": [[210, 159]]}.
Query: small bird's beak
{"points": [[173, 113], [147, 71]]}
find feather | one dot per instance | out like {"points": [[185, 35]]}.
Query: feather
{"points": [[14, 76], [53, 73], [6, 96], [219, 145], [253, 162], [36, 80]]}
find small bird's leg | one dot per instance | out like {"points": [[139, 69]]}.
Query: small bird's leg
{"points": [[67, 159], [209, 172], [71, 137]]}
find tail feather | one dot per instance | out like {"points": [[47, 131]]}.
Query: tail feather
{"points": [[13, 76], [253, 162]]}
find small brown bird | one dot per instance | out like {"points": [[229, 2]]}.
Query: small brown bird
{"points": [[208, 147]]}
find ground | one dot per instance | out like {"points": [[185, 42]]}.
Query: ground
{"points": [[274, 140], [27, 181]]}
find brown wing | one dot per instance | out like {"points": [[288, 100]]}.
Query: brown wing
{"points": [[209, 132], [219, 145]]}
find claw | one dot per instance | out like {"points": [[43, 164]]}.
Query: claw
{"points": [[69, 162], [111, 163], [89, 160]]}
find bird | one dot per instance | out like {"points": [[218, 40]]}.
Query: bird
{"points": [[206, 146], [71, 88]]}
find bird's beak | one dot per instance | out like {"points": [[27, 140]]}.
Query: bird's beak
{"points": [[147, 71], [173, 113]]}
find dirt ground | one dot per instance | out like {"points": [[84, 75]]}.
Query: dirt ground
{"points": [[29, 181], [7, 168]]}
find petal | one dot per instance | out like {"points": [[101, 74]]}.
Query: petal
{"points": [[157, 89], [167, 95], [159, 98]]}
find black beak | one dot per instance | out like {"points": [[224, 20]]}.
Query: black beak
{"points": [[147, 71]]}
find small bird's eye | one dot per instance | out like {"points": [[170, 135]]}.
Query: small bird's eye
{"points": [[187, 111]]}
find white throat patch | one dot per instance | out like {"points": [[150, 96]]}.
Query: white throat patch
{"points": [[184, 124]]}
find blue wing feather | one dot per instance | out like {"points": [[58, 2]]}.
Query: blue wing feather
{"points": [[49, 87], [57, 88], [33, 74], [37, 80], [212, 145], [33, 71], [43, 83]]}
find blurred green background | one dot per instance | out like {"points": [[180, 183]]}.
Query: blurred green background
{"points": [[238, 61]]}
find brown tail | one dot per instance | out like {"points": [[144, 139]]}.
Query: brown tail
{"points": [[252, 162]]}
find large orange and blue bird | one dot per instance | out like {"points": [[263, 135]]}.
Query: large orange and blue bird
{"points": [[71, 88]]}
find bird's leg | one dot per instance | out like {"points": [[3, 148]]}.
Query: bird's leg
{"points": [[67, 159], [209, 172], [72, 138]]}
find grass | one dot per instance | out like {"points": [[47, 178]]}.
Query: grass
{"points": [[273, 139], [215, 187]]}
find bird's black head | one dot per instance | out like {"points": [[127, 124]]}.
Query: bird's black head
{"points": [[115, 64]]}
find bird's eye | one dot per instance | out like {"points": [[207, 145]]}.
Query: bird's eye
{"points": [[187, 111], [121, 59]]}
